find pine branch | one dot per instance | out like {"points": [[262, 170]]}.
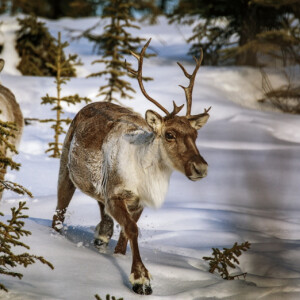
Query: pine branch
{"points": [[15, 187], [220, 261], [48, 121], [8, 162], [7, 133], [74, 99]]}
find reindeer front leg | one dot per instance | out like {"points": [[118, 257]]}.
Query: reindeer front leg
{"points": [[123, 240], [139, 277]]}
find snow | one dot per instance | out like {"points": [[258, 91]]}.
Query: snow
{"points": [[251, 192]]}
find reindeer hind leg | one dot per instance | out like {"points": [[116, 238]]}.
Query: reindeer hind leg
{"points": [[104, 230], [65, 193]]}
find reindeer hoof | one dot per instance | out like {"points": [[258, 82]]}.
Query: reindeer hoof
{"points": [[142, 289], [57, 225], [99, 244]]}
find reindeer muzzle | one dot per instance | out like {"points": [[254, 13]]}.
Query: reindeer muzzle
{"points": [[196, 168]]}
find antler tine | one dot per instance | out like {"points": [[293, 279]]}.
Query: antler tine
{"points": [[206, 110], [139, 75], [189, 89], [176, 109]]}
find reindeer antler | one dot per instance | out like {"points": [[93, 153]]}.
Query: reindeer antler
{"points": [[139, 76], [189, 89]]}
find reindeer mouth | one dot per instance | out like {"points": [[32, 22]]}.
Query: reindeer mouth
{"points": [[196, 178]]}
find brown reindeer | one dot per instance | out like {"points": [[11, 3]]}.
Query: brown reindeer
{"points": [[125, 161], [9, 112]]}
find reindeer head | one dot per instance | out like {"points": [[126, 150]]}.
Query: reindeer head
{"points": [[177, 134]]}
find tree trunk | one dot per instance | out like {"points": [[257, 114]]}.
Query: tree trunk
{"points": [[249, 29], [163, 5], [247, 58], [56, 9]]}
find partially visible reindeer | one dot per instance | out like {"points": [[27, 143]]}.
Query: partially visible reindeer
{"points": [[9, 112], [125, 161]]}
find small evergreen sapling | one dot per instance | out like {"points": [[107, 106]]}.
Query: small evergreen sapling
{"points": [[7, 133], [222, 260], [60, 67], [11, 232], [10, 235], [115, 43]]}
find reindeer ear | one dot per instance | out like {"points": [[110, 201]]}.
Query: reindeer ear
{"points": [[198, 121], [154, 120], [1, 64]]}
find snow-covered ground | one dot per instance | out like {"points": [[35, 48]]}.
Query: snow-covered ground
{"points": [[251, 193]]}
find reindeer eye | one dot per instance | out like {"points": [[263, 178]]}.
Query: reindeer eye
{"points": [[169, 136]]}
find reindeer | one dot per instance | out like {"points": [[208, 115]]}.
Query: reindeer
{"points": [[125, 161], [9, 112]]}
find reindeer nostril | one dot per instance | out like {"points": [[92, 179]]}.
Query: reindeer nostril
{"points": [[200, 169]]}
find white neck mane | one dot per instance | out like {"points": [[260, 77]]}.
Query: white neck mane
{"points": [[144, 167], [156, 176]]}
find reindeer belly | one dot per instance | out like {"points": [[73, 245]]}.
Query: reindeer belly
{"points": [[85, 167]]}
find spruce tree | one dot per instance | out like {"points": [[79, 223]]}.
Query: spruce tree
{"points": [[114, 44], [12, 231], [280, 41], [10, 235], [36, 48], [7, 134], [60, 67], [227, 29]]}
